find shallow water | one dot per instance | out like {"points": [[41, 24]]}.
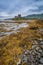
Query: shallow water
{"points": [[11, 28]]}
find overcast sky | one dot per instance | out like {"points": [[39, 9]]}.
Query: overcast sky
{"points": [[10, 8]]}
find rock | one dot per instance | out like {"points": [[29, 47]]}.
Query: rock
{"points": [[33, 56], [41, 60]]}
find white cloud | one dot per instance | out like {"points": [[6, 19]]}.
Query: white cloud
{"points": [[5, 15]]}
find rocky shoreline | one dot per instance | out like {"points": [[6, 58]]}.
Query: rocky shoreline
{"points": [[34, 56]]}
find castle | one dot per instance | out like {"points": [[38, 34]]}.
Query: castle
{"points": [[19, 16]]}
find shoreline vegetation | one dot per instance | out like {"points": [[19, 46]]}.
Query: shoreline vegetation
{"points": [[24, 47]]}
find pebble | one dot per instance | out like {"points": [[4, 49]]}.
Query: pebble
{"points": [[33, 56]]}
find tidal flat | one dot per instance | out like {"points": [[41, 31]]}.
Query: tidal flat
{"points": [[21, 43]]}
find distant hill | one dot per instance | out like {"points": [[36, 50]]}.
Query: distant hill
{"points": [[34, 16]]}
